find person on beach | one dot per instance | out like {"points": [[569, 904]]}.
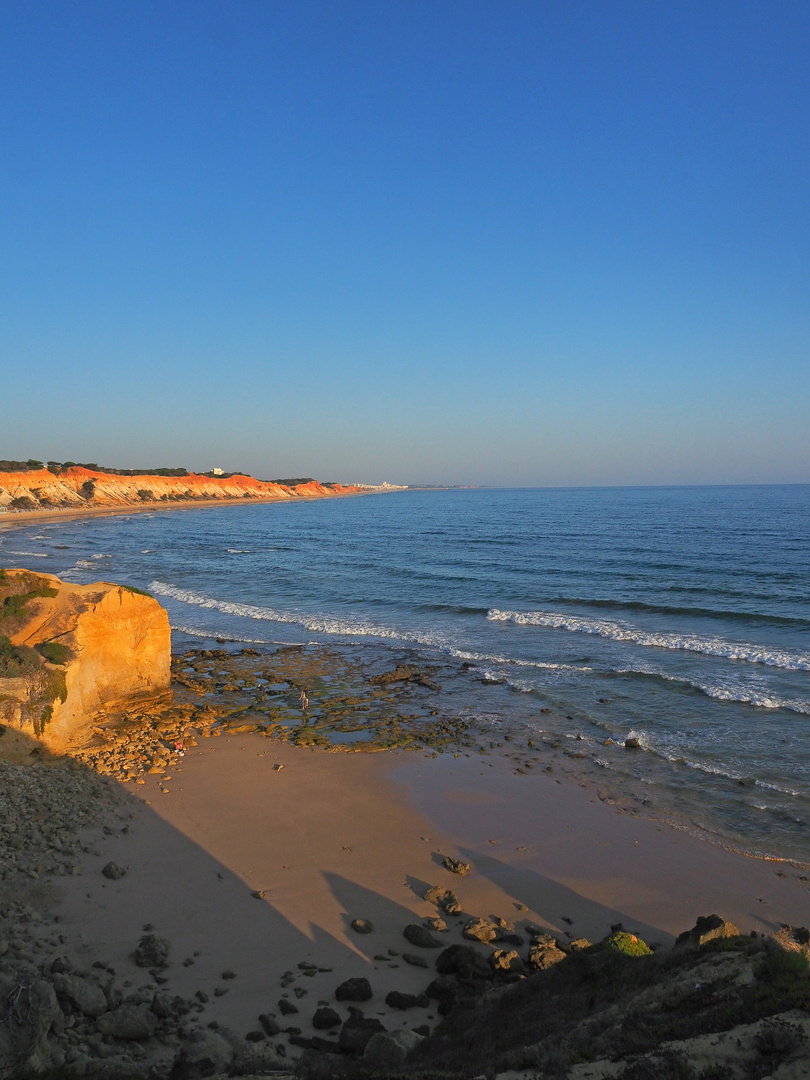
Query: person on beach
{"points": [[304, 700]]}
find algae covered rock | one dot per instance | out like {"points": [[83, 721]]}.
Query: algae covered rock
{"points": [[626, 943]]}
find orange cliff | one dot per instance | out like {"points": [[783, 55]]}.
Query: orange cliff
{"points": [[69, 651], [77, 487]]}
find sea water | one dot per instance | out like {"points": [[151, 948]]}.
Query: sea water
{"points": [[578, 617]]}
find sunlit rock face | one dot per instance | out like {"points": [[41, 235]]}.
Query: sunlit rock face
{"points": [[68, 651]]}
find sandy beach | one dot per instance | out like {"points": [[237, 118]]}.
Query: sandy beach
{"points": [[35, 517], [328, 838]]}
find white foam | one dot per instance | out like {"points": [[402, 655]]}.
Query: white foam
{"points": [[321, 624], [239, 551], [621, 631], [29, 554], [745, 695]]}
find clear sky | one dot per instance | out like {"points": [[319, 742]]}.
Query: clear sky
{"points": [[503, 243]]}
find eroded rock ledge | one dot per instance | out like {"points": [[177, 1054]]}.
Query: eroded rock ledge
{"points": [[69, 651]]}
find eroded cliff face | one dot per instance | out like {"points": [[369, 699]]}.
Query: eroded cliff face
{"points": [[76, 487], [68, 651]]}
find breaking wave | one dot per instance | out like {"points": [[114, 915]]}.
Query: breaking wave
{"points": [[619, 631]]}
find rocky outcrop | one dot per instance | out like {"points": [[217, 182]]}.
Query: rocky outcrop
{"points": [[69, 651], [42, 489]]}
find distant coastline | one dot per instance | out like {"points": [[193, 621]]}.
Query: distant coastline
{"points": [[43, 494]]}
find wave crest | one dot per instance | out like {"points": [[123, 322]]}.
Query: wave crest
{"points": [[618, 631]]}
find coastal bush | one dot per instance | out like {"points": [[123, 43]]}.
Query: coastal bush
{"points": [[88, 489], [54, 652], [44, 719], [14, 661], [14, 605], [145, 495], [139, 592], [23, 502]]}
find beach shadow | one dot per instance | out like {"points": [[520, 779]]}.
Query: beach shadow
{"points": [[417, 886], [564, 911], [228, 948]]}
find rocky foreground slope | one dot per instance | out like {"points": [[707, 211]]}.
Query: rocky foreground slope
{"points": [[76, 487]]}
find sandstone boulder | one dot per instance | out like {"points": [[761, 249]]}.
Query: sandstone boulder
{"points": [[79, 649], [707, 928], [481, 930]]}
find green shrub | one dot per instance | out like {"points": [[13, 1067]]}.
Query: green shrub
{"points": [[145, 495], [627, 944], [139, 592], [55, 652]]}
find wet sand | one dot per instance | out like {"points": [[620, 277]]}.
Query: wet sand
{"points": [[331, 837]]}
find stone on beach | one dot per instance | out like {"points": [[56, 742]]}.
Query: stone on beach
{"points": [[707, 928], [357, 989], [456, 866], [419, 936], [152, 952], [483, 930]]}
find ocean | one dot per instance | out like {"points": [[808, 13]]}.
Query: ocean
{"points": [[572, 617]]}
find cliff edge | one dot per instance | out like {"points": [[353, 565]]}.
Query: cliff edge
{"points": [[68, 651], [77, 486]]}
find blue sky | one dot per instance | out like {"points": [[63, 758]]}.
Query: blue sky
{"points": [[499, 243]]}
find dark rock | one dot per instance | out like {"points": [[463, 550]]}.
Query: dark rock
{"points": [[255, 1036], [166, 1007], [399, 1000], [423, 1029], [116, 1068], [707, 928], [356, 1033], [389, 1050], [456, 866], [414, 960], [28, 1011], [113, 871], [325, 1018], [270, 1026], [203, 1053], [152, 952], [286, 1008], [354, 990], [325, 1046], [81, 994], [128, 1022], [464, 961], [632, 743], [362, 926], [512, 939], [419, 936]]}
